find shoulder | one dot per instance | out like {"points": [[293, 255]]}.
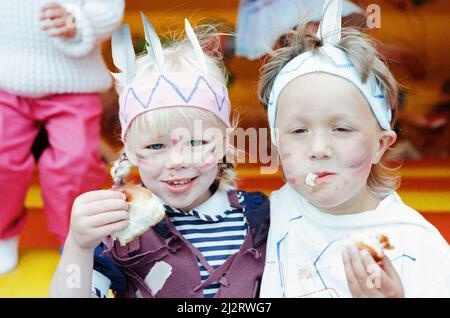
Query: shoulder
{"points": [[256, 205], [284, 194], [393, 207], [253, 200], [284, 203], [424, 238], [256, 208]]}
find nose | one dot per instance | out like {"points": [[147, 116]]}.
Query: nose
{"points": [[178, 159], [176, 166], [320, 147]]}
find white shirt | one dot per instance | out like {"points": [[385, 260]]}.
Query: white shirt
{"points": [[33, 64], [304, 248]]}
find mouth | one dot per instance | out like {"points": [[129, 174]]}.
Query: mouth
{"points": [[324, 174], [316, 179], [179, 185]]}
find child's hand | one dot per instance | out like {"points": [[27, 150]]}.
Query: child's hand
{"points": [[62, 23], [366, 278], [96, 215]]}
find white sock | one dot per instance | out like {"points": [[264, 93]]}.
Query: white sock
{"points": [[9, 254]]}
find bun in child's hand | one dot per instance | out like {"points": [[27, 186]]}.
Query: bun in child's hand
{"points": [[144, 212], [374, 243]]}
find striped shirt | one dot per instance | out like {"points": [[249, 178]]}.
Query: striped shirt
{"points": [[216, 236], [215, 228]]}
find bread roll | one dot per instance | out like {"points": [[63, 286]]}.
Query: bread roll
{"points": [[374, 243], [144, 212]]}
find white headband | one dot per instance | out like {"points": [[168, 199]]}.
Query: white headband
{"points": [[331, 60]]}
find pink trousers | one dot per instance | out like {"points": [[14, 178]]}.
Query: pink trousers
{"points": [[70, 166]]}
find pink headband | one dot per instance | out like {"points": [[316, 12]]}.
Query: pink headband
{"points": [[164, 89], [171, 90]]}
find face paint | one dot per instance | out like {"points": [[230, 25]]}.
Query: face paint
{"points": [[209, 158], [291, 181], [327, 141], [358, 153], [171, 171], [207, 165], [146, 164]]}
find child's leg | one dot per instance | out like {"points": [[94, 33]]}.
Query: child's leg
{"points": [[17, 133], [72, 164]]}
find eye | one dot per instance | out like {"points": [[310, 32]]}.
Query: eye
{"points": [[342, 129], [299, 131], [195, 143], [155, 146]]}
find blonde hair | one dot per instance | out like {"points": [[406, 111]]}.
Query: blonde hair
{"points": [[361, 51], [180, 56]]}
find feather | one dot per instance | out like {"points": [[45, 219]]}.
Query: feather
{"points": [[194, 41], [154, 48], [330, 26], [123, 54]]}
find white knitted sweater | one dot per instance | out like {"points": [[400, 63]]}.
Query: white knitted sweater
{"points": [[32, 64]]}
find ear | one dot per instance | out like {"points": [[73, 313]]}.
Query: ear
{"points": [[131, 156], [385, 139]]}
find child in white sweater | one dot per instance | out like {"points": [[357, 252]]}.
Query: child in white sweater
{"points": [[51, 71]]}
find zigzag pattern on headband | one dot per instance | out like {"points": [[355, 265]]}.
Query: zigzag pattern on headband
{"points": [[165, 88], [185, 98]]}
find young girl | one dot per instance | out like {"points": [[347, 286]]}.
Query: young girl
{"points": [[212, 241], [331, 104], [51, 73]]}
